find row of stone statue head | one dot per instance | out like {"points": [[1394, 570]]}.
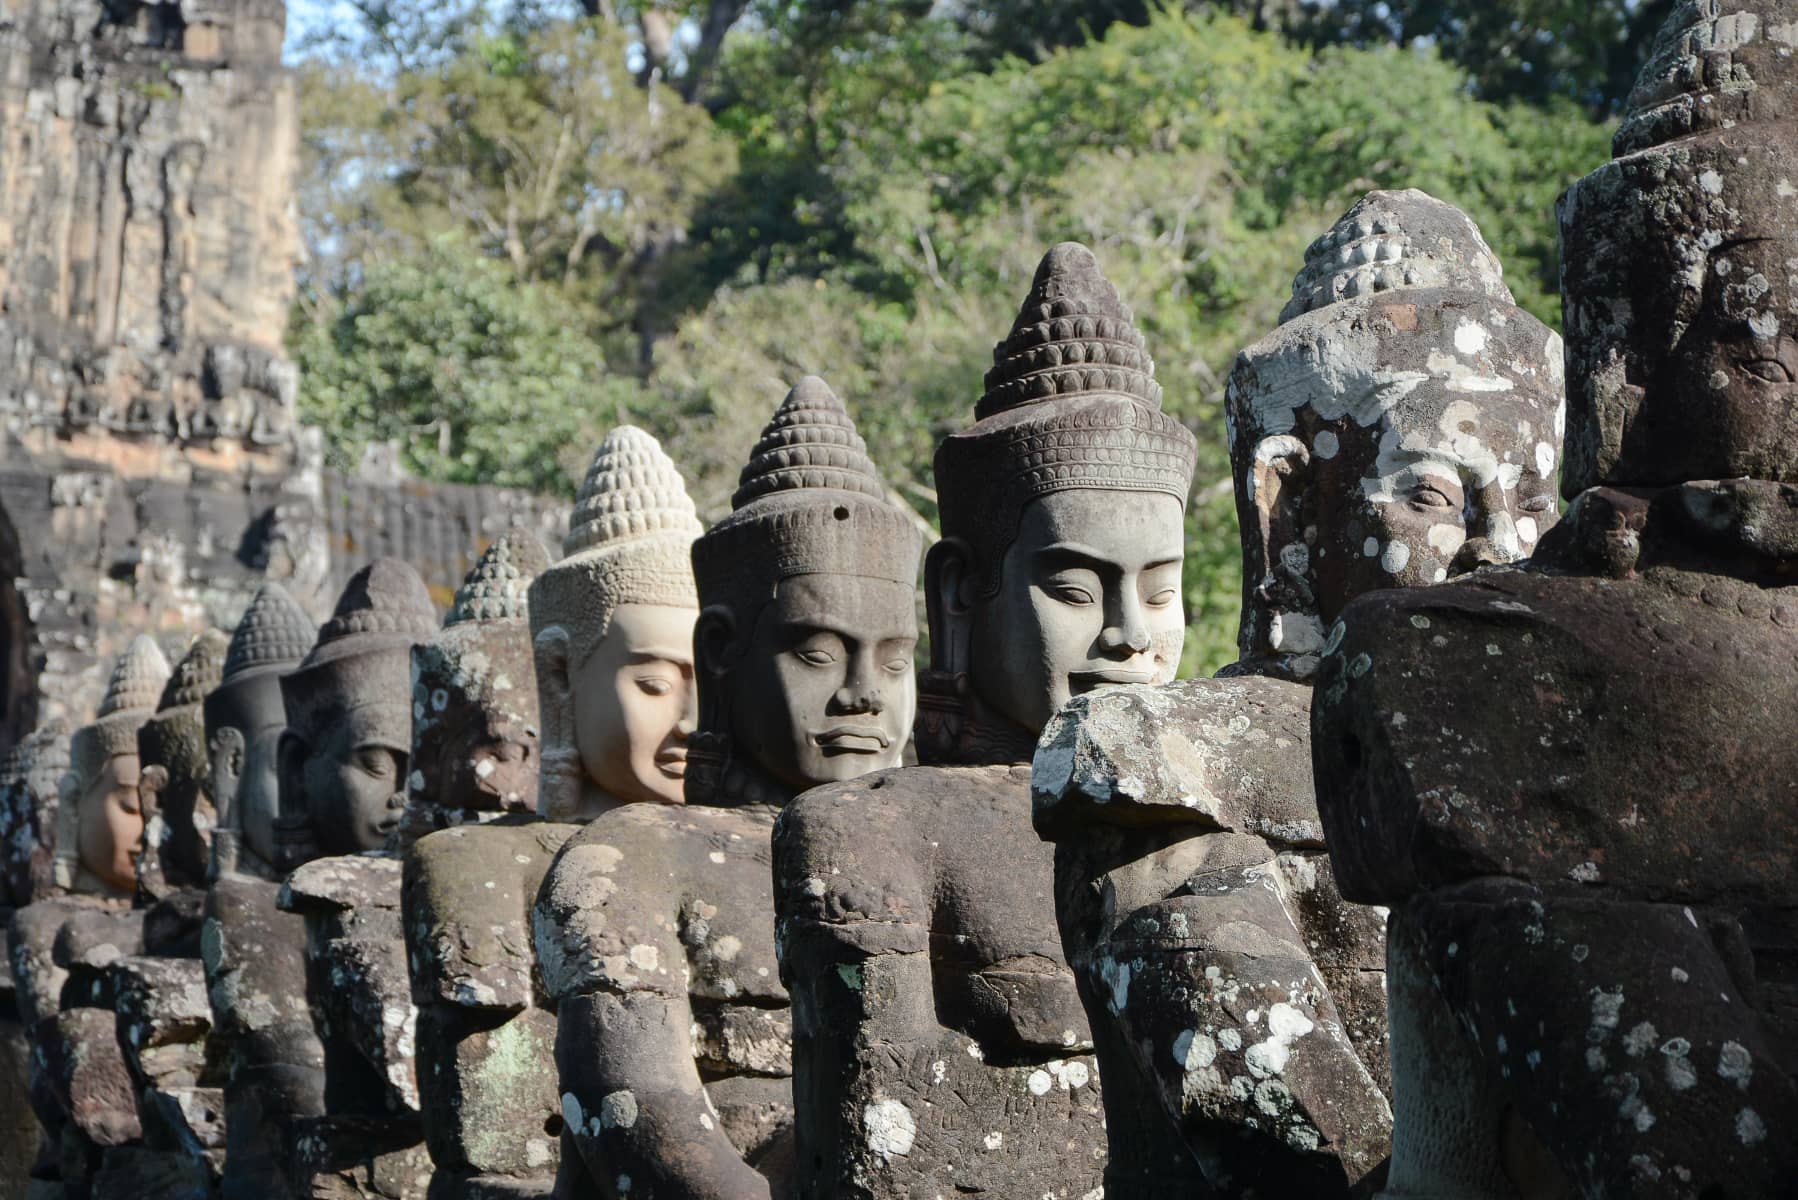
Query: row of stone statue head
{"points": [[834, 971]]}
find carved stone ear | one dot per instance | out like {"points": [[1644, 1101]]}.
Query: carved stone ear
{"points": [[290, 762], [555, 687], [951, 578], [715, 648], [1279, 481]]}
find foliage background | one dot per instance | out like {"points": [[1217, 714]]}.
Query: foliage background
{"points": [[528, 223]]}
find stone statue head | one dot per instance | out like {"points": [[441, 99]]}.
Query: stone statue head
{"points": [[474, 697], [244, 719], [1680, 263], [29, 777], [612, 628], [1401, 426], [99, 823], [1063, 524], [809, 591], [343, 756], [175, 781]]}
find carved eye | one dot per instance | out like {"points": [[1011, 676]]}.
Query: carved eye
{"points": [[375, 763], [899, 666], [1161, 599], [817, 658], [1425, 495], [654, 685], [1768, 370], [1538, 504]]}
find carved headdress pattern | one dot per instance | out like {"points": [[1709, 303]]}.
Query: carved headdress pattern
{"points": [[384, 611], [496, 588], [132, 692], [1071, 402], [273, 635], [1651, 243], [808, 502], [1394, 240], [628, 543]]}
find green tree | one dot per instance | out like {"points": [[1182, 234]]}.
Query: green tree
{"points": [[470, 372]]}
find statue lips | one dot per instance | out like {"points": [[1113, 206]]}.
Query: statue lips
{"points": [[853, 739], [672, 762], [1081, 682]]}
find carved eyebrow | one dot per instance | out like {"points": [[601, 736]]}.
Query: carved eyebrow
{"points": [[806, 626], [1074, 554], [659, 653]]}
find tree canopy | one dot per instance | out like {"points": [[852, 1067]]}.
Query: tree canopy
{"points": [[529, 225]]}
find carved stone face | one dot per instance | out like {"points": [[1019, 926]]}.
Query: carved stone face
{"points": [[112, 822], [1390, 443], [1446, 482], [634, 704], [354, 777], [1089, 595], [823, 689], [1739, 359], [244, 722]]}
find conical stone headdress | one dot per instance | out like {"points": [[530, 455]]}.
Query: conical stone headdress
{"points": [[273, 635], [364, 652], [138, 678], [808, 502], [1662, 239], [1071, 402], [1394, 240], [175, 735], [479, 671], [628, 543]]}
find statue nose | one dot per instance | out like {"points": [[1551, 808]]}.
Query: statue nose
{"points": [[860, 700]]}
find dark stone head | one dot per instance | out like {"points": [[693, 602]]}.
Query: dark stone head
{"points": [[176, 782], [1062, 510], [808, 613], [474, 696], [1680, 276], [343, 756]]}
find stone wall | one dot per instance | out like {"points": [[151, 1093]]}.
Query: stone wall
{"points": [[152, 471]]}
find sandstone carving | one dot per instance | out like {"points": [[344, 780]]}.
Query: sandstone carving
{"points": [[175, 783], [1571, 780], [63, 944], [621, 597], [1392, 430], [343, 769], [485, 1045], [939, 1044], [655, 929]]}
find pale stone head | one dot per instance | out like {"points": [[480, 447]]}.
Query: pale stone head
{"points": [[809, 621], [99, 822], [612, 624], [1680, 275], [475, 742], [1062, 511], [244, 719], [1393, 438], [175, 786], [343, 756]]}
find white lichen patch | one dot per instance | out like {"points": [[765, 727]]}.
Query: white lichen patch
{"points": [[890, 1128]]}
